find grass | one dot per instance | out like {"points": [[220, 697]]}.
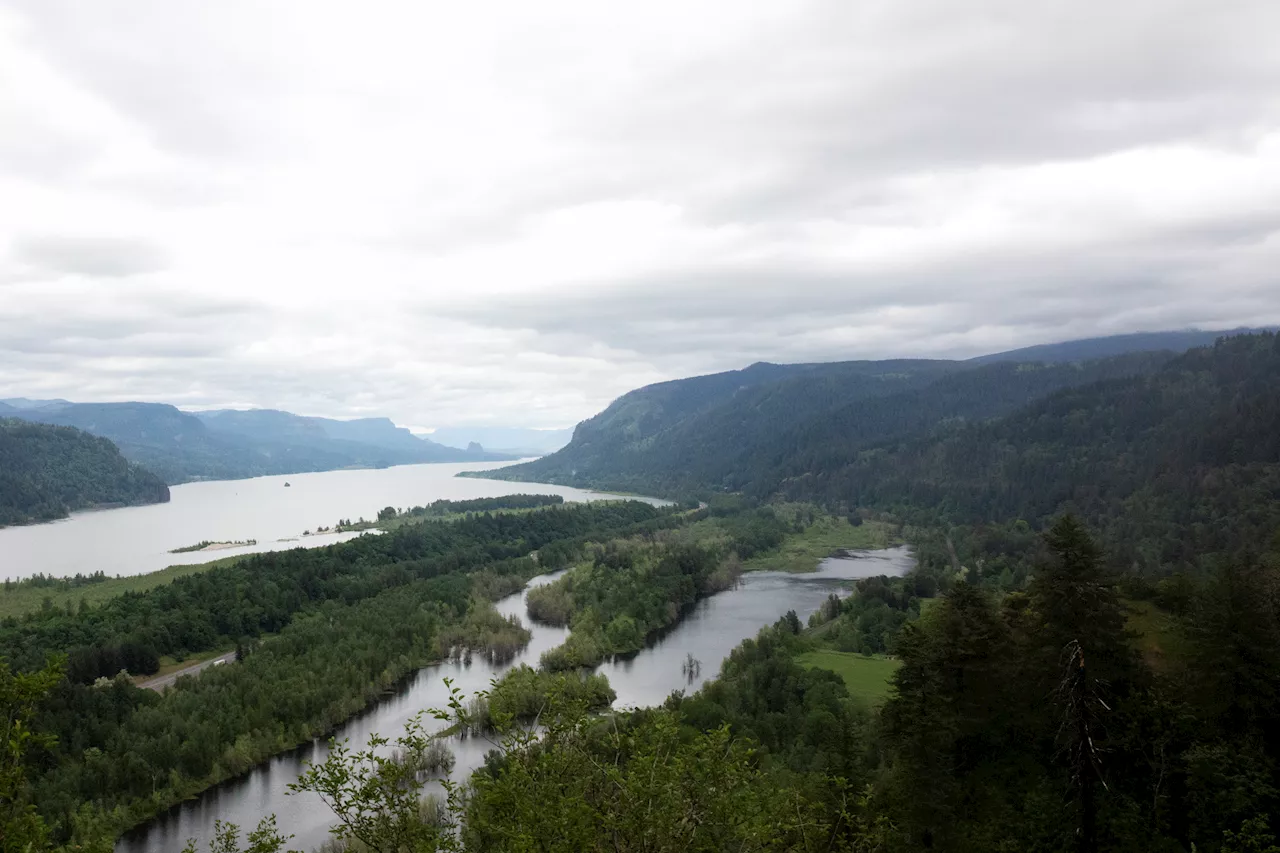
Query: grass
{"points": [[24, 597], [1158, 636], [866, 677], [802, 552]]}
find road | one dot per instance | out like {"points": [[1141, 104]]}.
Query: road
{"points": [[160, 682]]}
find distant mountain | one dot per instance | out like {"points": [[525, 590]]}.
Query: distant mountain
{"points": [[375, 442], [513, 440], [25, 403], [1087, 349], [181, 446], [749, 430], [47, 472]]}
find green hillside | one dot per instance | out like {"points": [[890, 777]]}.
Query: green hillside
{"points": [[47, 472]]}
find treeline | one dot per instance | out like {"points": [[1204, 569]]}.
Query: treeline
{"points": [[448, 507], [47, 472], [262, 593], [1177, 470], [630, 589]]}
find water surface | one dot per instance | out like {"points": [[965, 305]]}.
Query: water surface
{"points": [[710, 631], [137, 540]]}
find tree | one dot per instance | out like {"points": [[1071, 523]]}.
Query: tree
{"points": [[21, 829]]}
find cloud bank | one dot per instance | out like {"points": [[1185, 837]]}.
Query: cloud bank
{"points": [[510, 213]]}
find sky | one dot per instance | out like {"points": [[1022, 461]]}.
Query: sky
{"points": [[510, 213]]}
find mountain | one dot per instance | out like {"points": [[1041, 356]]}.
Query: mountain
{"points": [[372, 442], [181, 446], [1171, 466], [1087, 349], [513, 440], [25, 403], [47, 472], [747, 430]]}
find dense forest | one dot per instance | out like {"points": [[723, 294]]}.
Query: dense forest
{"points": [[683, 440], [1177, 469], [48, 472]]}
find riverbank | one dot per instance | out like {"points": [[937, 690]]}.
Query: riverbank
{"points": [[18, 598]]}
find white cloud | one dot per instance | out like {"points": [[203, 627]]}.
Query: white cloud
{"points": [[506, 212]]}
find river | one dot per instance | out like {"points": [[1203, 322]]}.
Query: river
{"points": [[709, 632], [137, 540]]}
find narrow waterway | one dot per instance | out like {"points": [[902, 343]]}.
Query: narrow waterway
{"points": [[709, 632]]}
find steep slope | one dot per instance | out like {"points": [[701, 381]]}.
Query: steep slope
{"points": [[47, 471], [753, 436], [1192, 448]]}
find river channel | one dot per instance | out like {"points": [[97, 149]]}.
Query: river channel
{"points": [[709, 632], [137, 540]]}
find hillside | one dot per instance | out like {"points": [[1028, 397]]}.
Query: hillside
{"points": [[748, 430], [47, 472], [181, 446], [1172, 467]]}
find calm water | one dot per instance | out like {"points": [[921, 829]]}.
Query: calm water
{"points": [[714, 627], [137, 540]]}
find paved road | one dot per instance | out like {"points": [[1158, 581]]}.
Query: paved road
{"points": [[160, 682]]}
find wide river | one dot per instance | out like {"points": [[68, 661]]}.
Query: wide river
{"points": [[137, 540], [713, 628]]}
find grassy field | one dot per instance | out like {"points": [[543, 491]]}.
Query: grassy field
{"points": [[23, 598], [802, 552], [866, 677]]}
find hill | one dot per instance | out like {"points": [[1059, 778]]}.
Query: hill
{"points": [[181, 446], [46, 472], [748, 430], [1173, 467]]}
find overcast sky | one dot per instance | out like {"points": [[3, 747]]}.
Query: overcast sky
{"points": [[511, 213]]}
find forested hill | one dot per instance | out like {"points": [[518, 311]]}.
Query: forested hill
{"points": [[1173, 467], [47, 471], [181, 446], [749, 430]]}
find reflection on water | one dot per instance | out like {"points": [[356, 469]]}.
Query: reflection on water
{"points": [[707, 634]]}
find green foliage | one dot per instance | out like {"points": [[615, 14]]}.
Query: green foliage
{"points": [[751, 430], [21, 828], [47, 472], [261, 593], [633, 588]]}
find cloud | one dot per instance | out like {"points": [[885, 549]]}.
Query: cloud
{"points": [[101, 257], [511, 213]]}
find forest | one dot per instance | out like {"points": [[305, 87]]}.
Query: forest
{"points": [[1086, 656], [47, 472]]}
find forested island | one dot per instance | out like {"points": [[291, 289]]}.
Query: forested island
{"points": [[1086, 655], [48, 472]]}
